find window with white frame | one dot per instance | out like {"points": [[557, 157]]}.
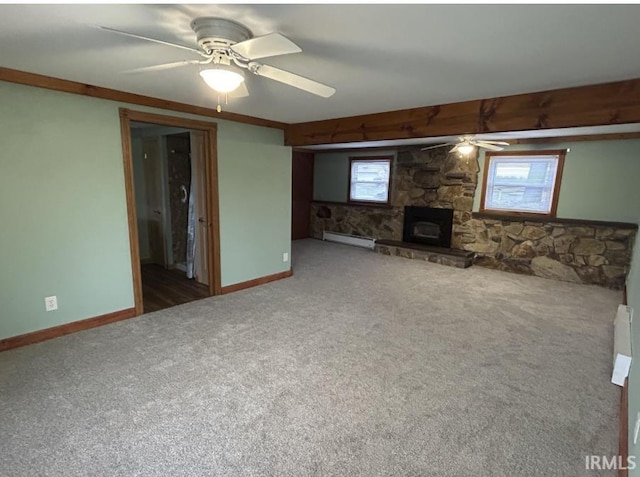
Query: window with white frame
{"points": [[369, 179], [522, 181]]}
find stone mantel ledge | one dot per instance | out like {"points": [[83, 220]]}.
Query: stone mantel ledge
{"points": [[552, 220], [354, 204]]}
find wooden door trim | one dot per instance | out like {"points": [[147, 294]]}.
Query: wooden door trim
{"points": [[213, 214], [132, 216], [213, 210]]}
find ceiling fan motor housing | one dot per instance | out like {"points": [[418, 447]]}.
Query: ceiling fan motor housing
{"points": [[219, 33]]}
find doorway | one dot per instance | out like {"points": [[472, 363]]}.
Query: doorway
{"points": [[172, 203], [301, 194]]}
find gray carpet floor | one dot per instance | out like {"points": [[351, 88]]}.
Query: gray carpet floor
{"points": [[359, 365]]}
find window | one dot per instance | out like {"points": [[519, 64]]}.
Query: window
{"points": [[522, 181], [369, 179]]}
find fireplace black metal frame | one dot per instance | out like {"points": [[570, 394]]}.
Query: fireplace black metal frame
{"points": [[442, 217]]}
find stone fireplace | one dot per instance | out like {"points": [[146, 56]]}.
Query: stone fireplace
{"points": [[427, 225], [575, 250]]}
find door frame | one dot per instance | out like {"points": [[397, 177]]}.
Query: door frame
{"points": [[298, 156], [210, 131]]}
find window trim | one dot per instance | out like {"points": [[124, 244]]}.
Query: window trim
{"points": [[557, 181], [353, 159]]}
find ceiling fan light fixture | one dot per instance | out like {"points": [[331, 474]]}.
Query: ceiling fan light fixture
{"points": [[465, 148], [222, 78]]}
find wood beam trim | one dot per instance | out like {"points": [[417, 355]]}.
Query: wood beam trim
{"points": [[531, 140], [594, 105], [66, 86]]}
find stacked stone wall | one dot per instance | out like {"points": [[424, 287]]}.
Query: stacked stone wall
{"points": [[581, 252]]}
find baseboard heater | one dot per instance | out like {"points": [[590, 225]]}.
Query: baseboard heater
{"points": [[621, 345], [366, 242]]}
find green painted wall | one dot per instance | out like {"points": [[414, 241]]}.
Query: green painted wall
{"points": [[255, 203], [600, 179], [62, 204], [331, 174], [331, 177]]}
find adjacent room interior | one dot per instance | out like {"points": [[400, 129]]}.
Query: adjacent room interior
{"points": [[239, 243], [171, 210]]}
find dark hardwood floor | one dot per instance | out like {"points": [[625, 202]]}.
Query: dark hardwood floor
{"points": [[162, 288]]}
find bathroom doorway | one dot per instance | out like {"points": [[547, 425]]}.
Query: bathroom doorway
{"points": [[169, 169]]}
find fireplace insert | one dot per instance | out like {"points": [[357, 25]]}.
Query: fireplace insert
{"points": [[428, 225]]}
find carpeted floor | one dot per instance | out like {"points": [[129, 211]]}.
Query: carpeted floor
{"points": [[359, 365]]}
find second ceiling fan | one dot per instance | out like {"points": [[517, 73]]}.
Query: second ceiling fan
{"points": [[466, 144], [228, 48]]}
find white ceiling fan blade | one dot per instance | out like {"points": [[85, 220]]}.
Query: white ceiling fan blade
{"points": [[140, 37], [164, 66], [292, 79], [436, 146], [491, 147], [273, 44], [240, 92], [497, 143]]}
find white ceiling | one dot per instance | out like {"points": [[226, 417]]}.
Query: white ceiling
{"points": [[378, 57]]}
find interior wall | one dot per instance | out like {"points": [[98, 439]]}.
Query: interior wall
{"points": [[255, 184], [633, 299], [141, 196], [331, 173], [598, 184], [600, 179], [432, 178], [62, 198]]}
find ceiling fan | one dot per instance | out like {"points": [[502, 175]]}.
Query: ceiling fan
{"points": [[466, 144], [227, 48]]}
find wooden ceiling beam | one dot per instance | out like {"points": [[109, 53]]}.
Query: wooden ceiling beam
{"points": [[594, 105]]}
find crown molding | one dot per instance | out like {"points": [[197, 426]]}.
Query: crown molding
{"points": [[56, 84]]}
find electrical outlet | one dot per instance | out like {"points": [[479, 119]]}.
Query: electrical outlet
{"points": [[285, 257], [51, 303]]}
